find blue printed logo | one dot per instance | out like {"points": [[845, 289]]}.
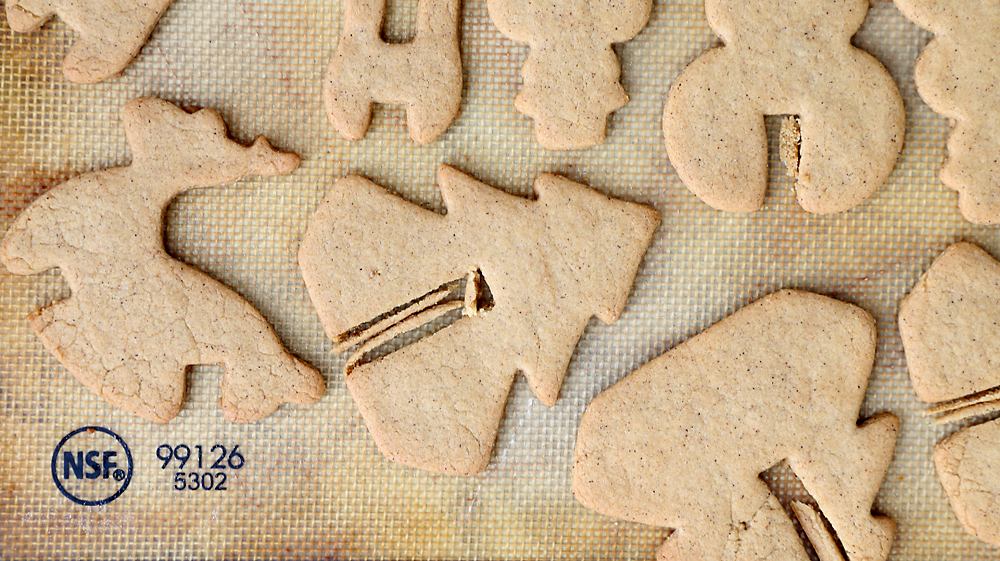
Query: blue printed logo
{"points": [[92, 466]]}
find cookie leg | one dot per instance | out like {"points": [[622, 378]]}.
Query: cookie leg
{"points": [[849, 142], [255, 386], [350, 112], [152, 390], [715, 136], [425, 121], [843, 473]]}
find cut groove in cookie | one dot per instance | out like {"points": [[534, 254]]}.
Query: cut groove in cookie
{"points": [[682, 441], [820, 537], [535, 272], [463, 294], [784, 58], [110, 32], [790, 144], [137, 317], [370, 329], [376, 347], [982, 403]]}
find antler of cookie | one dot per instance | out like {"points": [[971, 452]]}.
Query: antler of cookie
{"points": [[548, 266], [681, 441], [571, 73], [111, 32], [137, 317], [957, 75], [424, 74], [784, 57]]}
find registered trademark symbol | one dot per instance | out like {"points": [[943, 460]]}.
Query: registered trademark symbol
{"points": [[119, 474]]}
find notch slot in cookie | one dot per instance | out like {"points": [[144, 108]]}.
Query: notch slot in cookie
{"points": [[819, 537], [818, 532], [384, 321], [790, 143], [975, 405], [470, 295]]}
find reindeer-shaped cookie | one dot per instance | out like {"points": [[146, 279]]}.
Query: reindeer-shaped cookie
{"points": [[424, 74], [536, 272], [957, 75], [571, 73], [138, 317], [681, 441], [784, 57], [111, 32]]}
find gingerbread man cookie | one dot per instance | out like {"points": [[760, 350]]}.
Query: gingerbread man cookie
{"points": [[681, 442], [424, 74], [533, 274], [138, 317], [111, 32], [957, 75], [571, 73], [784, 57]]}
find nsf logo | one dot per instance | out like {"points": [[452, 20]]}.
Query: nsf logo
{"points": [[92, 466]]}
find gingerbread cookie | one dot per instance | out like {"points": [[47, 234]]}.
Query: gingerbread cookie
{"points": [[952, 344], [571, 73], [524, 276], [957, 76], [784, 57], [681, 441], [137, 317], [424, 74], [966, 463], [111, 32]]}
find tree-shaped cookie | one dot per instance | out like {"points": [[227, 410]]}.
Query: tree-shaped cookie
{"points": [[138, 317], [957, 75], [534, 273], [784, 57], [681, 441], [571, 73], [951, 336], [111, 32], [424, 74]]}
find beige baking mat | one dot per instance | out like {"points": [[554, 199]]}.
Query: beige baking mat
{"points": [[312, 483]]}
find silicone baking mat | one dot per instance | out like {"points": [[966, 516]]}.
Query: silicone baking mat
{"points": [[311, 483]]}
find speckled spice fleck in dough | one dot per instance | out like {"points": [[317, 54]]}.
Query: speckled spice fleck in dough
{"points": [[784, 57], [111, 32], [958, 75], [425, 74], [137, 317], [951, 336], [680, 442], [571, 74], [549, 264]]}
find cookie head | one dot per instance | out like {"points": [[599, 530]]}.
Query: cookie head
{"points": [[195, 146], [836, 18]]}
